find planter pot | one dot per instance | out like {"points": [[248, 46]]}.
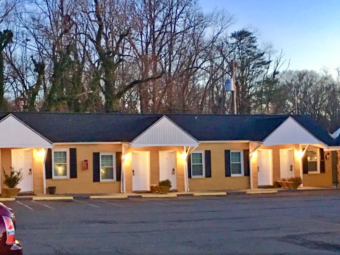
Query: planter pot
{"points": [[164, 189], [293, 185], [9, 192], [283, 184], [51, 190]]}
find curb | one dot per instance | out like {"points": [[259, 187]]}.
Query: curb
{"points": [[109, 197], [52, 198], [258, 192], [7, 199], [159, 196], [210, 194]]}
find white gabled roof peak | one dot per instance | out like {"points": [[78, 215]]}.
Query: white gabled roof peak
{"points": [[290, 132], [164, 132], [16, 134]]}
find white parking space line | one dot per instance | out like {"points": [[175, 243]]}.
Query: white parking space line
{"points": [[28, 207], [50, 207], [86, 203], [112, 204]]}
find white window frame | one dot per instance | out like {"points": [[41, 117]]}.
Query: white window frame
{"points": [[203, 165], [317, 160], [67, 164], [114, 166], [242, 162]]}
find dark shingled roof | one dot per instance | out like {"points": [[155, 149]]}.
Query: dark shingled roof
{"points": [[97, 127]]}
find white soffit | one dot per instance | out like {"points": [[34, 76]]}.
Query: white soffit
{"points": [[164, 133], [290, 132], [16, 134]]}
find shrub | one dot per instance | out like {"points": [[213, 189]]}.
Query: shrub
{"points": [[165, 183], [13, 178]]}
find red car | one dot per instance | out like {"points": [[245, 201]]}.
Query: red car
{"points": [[8, 244]]}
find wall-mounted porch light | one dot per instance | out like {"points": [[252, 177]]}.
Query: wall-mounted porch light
{"points": [[41, 153]]}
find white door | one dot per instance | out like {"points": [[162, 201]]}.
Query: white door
{"points": [[264, 167], [286, 164], [23, 160], [140, 171], [167, 167]]}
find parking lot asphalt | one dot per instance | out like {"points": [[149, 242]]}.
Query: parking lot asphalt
{"points": [[304, 223]]}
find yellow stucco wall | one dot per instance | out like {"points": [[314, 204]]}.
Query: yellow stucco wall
{"points": [[312, 180], [218, 180], [154, 166], [38, 168], [84, 181], [276, 159], [6, 163], [321, 179]]}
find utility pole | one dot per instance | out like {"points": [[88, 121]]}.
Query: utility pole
{"points": [[233, 77]]}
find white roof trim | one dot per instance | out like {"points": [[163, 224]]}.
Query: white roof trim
{"points": [[291, 132], [336, 133], [84, 143], [164, 132], [227, 141], [16, 134]]}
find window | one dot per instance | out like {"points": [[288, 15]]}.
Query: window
{"points": [[107, 166], [197, 164], [60, 163], [312, 160], [236, 163]]}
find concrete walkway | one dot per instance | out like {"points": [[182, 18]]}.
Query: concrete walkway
{"points": [[70, 197]]}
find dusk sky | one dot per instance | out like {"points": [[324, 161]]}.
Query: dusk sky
{"points": [[308, 31]]}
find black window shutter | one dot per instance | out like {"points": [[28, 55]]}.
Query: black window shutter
{"points": [[322, 162], [246, 164], [73, 163], [207, 159], [335, 167], [227, 163], [304, 163], [189, 166], [48, 164], [118, 166], [96, 167]]}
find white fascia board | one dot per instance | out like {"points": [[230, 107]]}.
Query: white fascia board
{"points": [[226, 141], [155, 145], [291, 132], [14, 133], [85, 143], [164, 132]]}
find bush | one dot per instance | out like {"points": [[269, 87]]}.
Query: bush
{"points": [[13, 178], [164, 183]]}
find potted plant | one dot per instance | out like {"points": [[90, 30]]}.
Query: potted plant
{"points": [[164, 186], [51, 190], [294, 182], [283, 183], [291, 183], [11, 180]]}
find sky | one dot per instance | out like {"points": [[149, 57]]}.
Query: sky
{"points": [[307, 31]]}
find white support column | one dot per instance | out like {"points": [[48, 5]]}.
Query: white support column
{"points": [[44, 171], [125, 149], [250, 169]]}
